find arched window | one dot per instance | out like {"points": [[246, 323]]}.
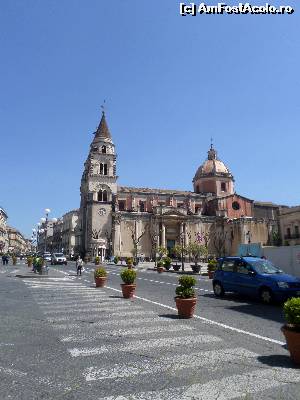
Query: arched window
{"points": [[104, 195], [103, 149], [103, 169], [223, 186], [142, 206], [100, 195]]}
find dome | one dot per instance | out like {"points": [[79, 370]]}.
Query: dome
{"points": [[212, 166]]}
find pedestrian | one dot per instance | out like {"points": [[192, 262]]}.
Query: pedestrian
{"points": [[79, 264], [3, 259]]}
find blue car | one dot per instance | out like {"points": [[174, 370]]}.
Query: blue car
{"points": [[254, 277]]}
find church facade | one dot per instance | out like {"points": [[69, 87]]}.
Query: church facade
{"points": [[115, 220]]}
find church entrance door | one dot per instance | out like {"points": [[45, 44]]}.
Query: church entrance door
{"points": [[170, 245]]}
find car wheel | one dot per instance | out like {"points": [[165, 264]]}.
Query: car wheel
{"points": [[218, 289], [266, 295]]}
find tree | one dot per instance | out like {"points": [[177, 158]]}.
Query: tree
{"points": [[162, 251], [136, 238], [197, 250]]}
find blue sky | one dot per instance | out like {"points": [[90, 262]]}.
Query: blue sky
{"points": [[170, 84]]}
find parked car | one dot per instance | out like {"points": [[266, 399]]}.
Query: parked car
{"points": [[58, 258], [47, 256], [254, 277]]}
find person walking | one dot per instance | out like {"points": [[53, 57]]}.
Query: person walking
{"points": [[79, 264]]}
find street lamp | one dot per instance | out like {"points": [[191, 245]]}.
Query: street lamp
{"points": [[155, 239], [44, 220]]}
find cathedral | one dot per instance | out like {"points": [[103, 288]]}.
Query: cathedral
{"points": [[116, 220]]}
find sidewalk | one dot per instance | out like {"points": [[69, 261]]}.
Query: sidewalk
{"points": [[151, 266]]}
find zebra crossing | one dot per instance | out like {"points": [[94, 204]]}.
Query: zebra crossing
{"points": [[148, 356]]}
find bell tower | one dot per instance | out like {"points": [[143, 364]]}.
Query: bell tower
{"points": [[98, 188]]}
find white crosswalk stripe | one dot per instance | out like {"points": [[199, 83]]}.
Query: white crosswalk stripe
{"points": [[145, 345], [124, 332], [227, 388], [85, 315], [118, 322], [79, 304], [209, 358], [97, 308]]}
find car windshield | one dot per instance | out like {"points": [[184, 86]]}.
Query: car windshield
{"points": [[58, 254], [264, 267]]}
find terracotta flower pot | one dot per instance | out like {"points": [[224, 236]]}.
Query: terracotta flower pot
{"points": [[160, 269], [128, 290], [210, 274], [100, 281], [292, 337], [186, 307]]}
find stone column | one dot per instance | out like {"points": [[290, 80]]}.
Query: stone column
{"points": [[117, 239], [163, 235]]}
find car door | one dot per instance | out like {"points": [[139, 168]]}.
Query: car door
{"points": [[228, 274], [245, 279]]}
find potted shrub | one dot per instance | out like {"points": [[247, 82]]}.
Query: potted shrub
{"points": [[186, 299], [160, 266], [291, 330], [211, 267], [129, 262], [40, 262], [29, 261], [128, 276], [14, 260], [167, 263], [197, 250], [97, 260], [100, 276], [116, 260]]}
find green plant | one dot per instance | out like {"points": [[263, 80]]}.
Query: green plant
{"points": [[291, 309], [129, 260], [167, 261], [100, 273], [97, 260], [160, 263], [197, 250], [128, 276], [185, 289], [162, 251], [29, 260], [116, 260], [212, 265]]}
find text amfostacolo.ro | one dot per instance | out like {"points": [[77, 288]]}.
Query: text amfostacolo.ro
{"points": [[240, 8]]}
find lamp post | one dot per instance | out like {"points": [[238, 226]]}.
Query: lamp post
{"points": [[44, 221], [181, 236], [155, 239], [248, 234]]}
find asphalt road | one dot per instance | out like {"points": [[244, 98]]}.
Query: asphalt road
{"points": [[61, 338]]}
